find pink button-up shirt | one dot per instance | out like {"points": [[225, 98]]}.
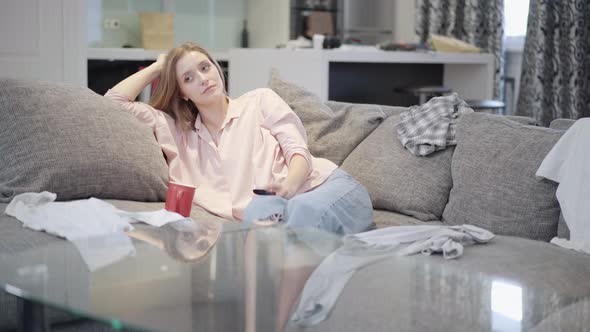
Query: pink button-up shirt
{"points": [[257, 139]]}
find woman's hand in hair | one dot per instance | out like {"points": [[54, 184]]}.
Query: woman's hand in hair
{"points": [[132, 85], [159, 64]]}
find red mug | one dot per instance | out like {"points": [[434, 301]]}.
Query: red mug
{"points": [[179, 198]]}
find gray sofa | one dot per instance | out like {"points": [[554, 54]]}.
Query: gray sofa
{"points": [[77, 144]]}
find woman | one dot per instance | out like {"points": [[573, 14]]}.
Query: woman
{"points": [[229, 147]]}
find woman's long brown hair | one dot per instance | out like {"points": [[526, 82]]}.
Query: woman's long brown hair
{"points": [[167, 96]]}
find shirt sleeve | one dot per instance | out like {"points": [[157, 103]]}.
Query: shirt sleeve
{"points": [[143, 112], [285, 126]]}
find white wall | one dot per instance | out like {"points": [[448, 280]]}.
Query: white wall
{"points": [[268, 22], [404, 19]]}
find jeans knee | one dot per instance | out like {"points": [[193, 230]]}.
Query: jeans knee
{"points": [[262, 207], [304, 213]]}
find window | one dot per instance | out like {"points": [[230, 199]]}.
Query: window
{"points": [[515, 22]]}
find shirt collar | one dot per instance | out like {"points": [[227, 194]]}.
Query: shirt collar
{"points": [[232, 112], [198, 123]]}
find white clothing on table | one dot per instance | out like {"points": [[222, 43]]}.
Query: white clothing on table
{"points": [[327, 281], [79, 219]]}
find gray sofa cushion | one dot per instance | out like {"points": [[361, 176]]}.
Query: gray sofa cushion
{"points": [[332, 134], [384, 218], [387, 109], [561, 124], [563, 230], [494, 182], [521, 119], [75, 143], [396, 179]]}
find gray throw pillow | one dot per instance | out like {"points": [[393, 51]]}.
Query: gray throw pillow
{"points": [[337, 106], [494, 182], [563, 231], [75, 143], [522, 119], [398, 180], [331, 134], [561, 124]]}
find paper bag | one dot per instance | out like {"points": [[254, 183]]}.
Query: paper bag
{"points": [[157, 30], [321, 23]]}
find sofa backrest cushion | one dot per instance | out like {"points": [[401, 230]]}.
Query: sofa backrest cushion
{"points": [[332, 134], [494, 182], [387, 109], [563, 230], [520, 119], [561, 124], [75, 143], [398, 180]]}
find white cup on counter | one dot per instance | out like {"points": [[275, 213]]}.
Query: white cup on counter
{"points": [[318, 41]]}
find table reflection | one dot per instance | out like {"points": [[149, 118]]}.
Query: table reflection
{"points": [[184, 240], [506, 303]]}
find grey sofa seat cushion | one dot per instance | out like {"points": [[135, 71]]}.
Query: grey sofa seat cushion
{"points": [[75, 143], [396, 179], [384, 218], [494, 182], [332, 134], [197, 212]]}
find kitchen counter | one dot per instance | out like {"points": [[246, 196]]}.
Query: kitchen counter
{"points": [[351, 73], [138, 54], [469, 74]]}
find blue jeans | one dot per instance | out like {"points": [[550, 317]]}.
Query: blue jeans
{"points": [[340, 205]]}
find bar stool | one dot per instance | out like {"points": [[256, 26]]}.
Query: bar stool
{"points": [[495, 106], [425, 92]]}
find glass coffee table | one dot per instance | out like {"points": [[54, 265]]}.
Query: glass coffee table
{"points": [[214, 277]]}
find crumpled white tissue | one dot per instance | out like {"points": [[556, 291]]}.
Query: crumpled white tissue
{"points": [[81, 218]]}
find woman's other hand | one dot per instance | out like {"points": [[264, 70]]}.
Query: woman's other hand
{"points": [[298, 170], [284, 189]]}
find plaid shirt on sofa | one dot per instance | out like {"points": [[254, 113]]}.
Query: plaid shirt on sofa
{"points": [[430, 127]]}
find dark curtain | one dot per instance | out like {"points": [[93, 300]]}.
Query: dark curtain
{"points": [[478, 22], [555, 79]]}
